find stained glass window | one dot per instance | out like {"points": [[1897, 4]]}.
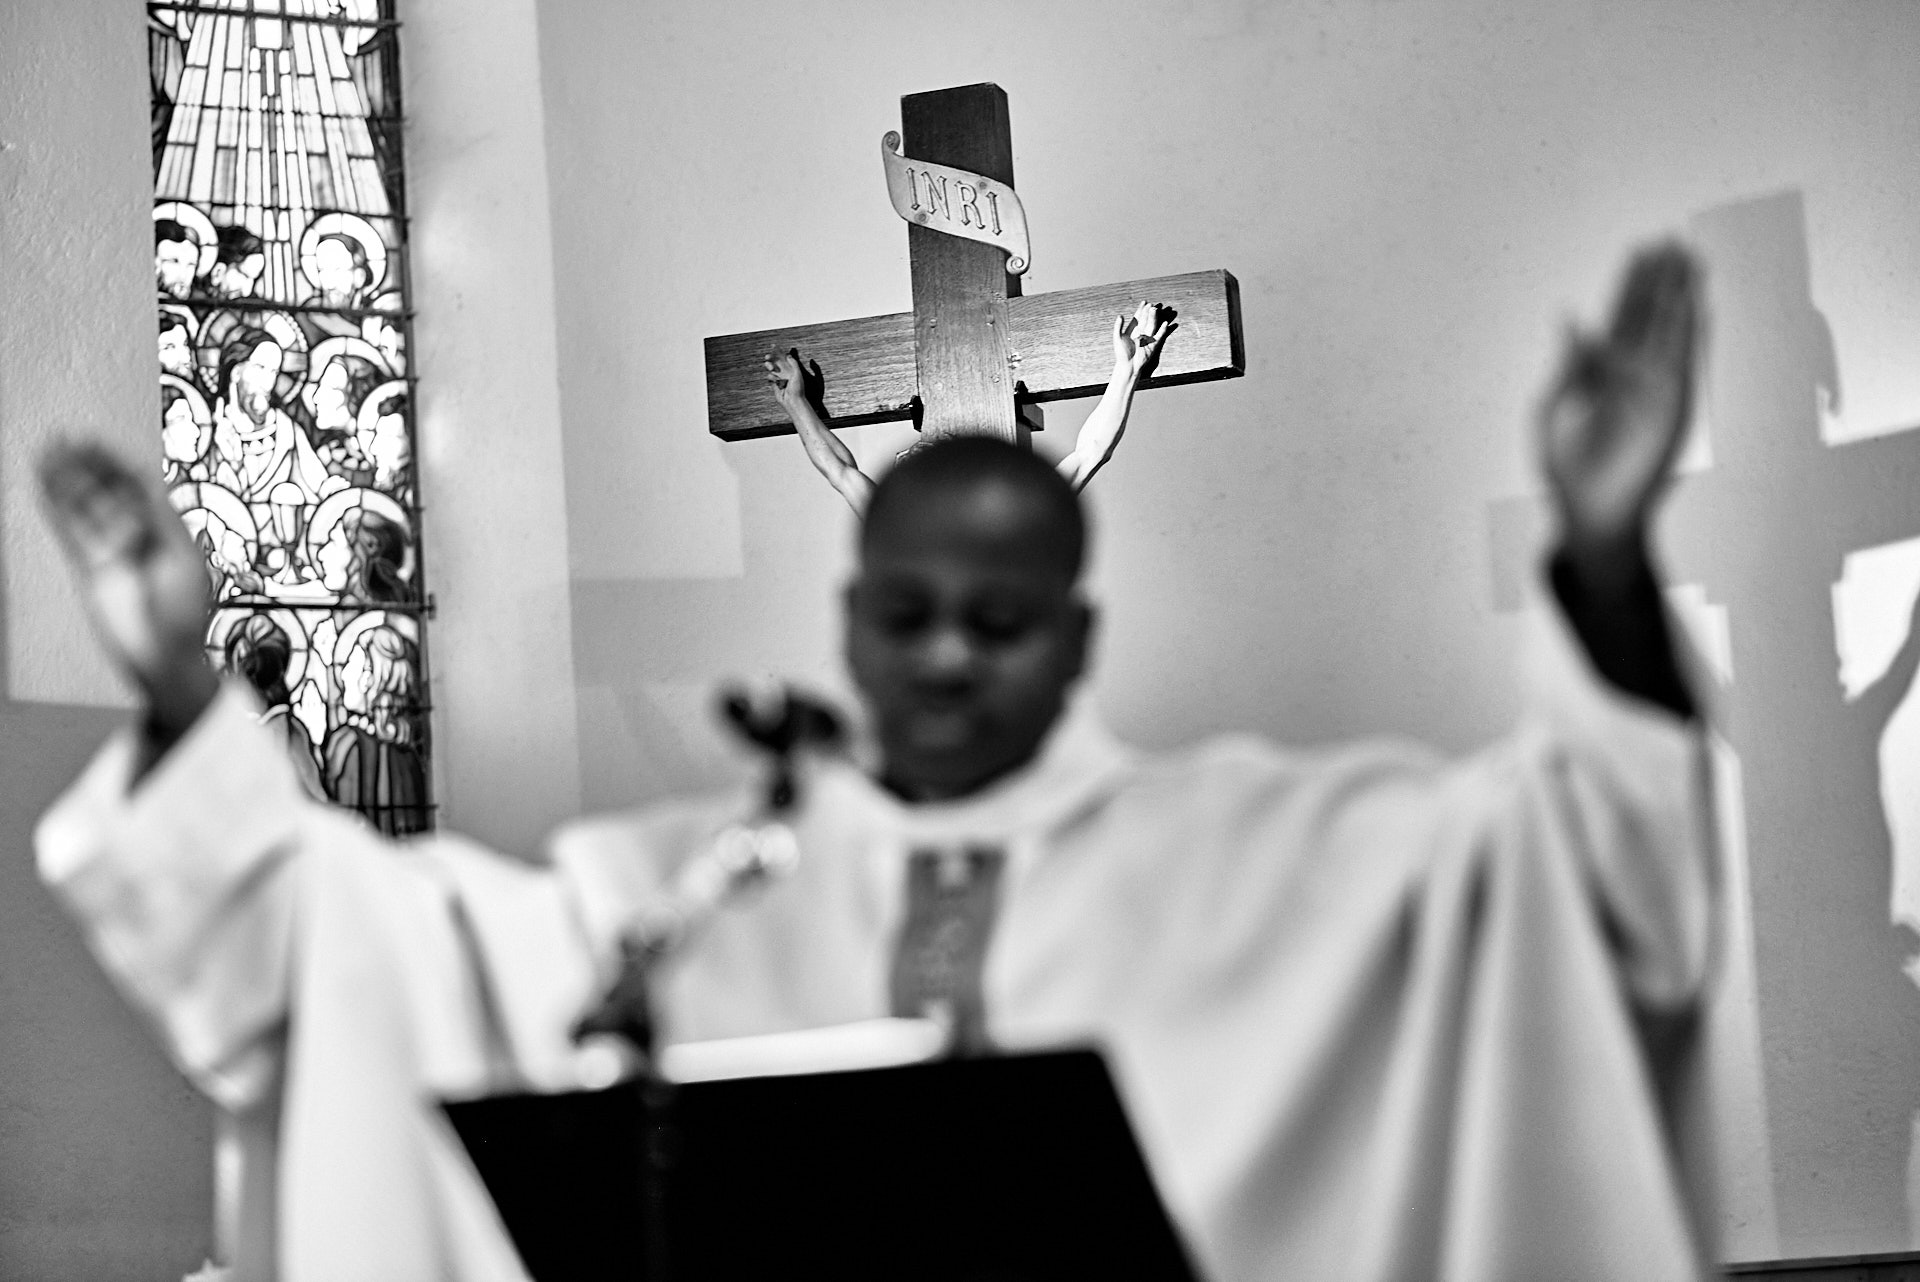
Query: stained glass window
{"points": [[286, 416]]}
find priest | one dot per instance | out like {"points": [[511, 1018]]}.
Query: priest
{"points": [[1374, 1014]]}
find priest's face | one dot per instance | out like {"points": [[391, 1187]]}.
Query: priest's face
{"points": [[964, 636]]}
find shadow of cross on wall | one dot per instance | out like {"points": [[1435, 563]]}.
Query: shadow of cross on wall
{"points": [[1765, 529]]}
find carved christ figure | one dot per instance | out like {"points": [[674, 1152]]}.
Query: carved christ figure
{"points": [[1136, 343]]}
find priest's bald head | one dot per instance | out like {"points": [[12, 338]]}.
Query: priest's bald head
{"points": [[965, 625]]}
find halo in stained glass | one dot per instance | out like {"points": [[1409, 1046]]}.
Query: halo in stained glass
{"points": [[367, 620], [224, 325], [336, 346], [198, 235], [221, 630], [343, 258], [359, 539]]}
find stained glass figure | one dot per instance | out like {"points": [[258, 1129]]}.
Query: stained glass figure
{"points": [[285, 395]]}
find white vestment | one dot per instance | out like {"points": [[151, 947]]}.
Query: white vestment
{"points": [[1373, 1015]]}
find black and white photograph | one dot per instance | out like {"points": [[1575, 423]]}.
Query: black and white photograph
{"points": [[1205, 641]]}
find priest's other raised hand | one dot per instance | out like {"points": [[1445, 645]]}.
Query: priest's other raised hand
{"points": [[144, 582], [1608, 430], [1614, 417]]}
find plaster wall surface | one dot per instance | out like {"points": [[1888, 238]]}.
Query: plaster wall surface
{"points": [[506, 764], [104, 1166], [76, 351]]}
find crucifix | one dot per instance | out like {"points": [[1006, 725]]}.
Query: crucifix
{"points": [[1766, 528], [974, 355]]}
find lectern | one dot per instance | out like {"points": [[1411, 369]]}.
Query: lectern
{"points": [[1007, 1168]]}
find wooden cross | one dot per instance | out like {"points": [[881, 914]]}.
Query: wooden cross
{"points": [[973, 353], [1767, 529]]}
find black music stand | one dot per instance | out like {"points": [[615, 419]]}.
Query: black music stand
{"points": [[1006, 1168]]}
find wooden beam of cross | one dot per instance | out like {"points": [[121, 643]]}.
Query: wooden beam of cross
{"points": [[973, 352]]}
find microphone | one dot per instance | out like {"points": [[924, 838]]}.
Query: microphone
{"points": [[741, 856], [738, 858]]}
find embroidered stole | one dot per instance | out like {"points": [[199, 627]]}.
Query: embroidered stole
{"points": [[952, 898]]}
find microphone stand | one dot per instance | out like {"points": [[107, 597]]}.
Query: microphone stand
{"points": [[740, 857]]}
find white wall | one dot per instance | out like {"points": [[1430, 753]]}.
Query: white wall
{"points": [[104, 1170], [1415, 197], [75, 340], [505, 760]]}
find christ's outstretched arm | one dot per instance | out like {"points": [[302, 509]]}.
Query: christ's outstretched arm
{"points": [[825, 451], [1136, 342]]}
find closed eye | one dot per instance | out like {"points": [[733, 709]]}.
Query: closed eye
{"points": [[1002, 622]]}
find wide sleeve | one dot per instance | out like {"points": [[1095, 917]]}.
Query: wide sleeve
{"points": [[1538, 1109], [325, 983], [1544, 1106], [207, 891], [183, 888], [1627, 785]]}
